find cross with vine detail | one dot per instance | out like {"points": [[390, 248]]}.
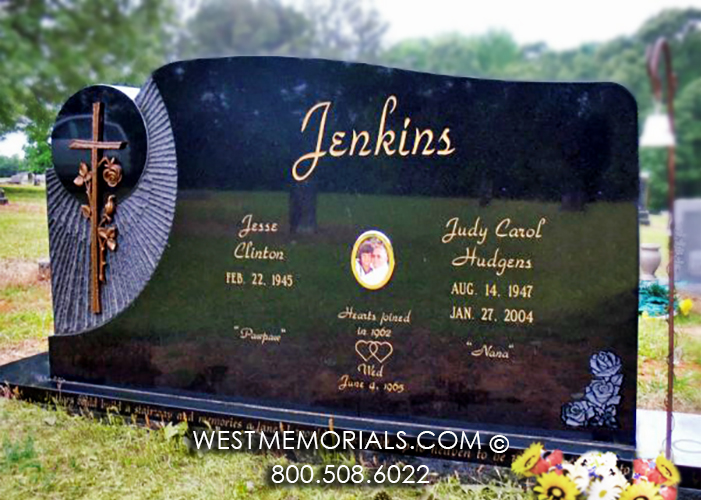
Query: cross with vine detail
{"points": [[102, 236]]}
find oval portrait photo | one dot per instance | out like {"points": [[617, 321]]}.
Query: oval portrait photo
{"points": [[372, 260]]}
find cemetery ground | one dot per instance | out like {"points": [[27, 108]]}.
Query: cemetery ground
{"points": [[25, 299], [45, 452]]}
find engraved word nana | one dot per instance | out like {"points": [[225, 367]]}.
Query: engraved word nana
{"points": [[361, 143]]}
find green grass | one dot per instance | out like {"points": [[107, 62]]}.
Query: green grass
{"points": [[23, 226], [652, 350], [26, 313], [34, 195], [25, 302], [49, 454], [692, 352], [687, 397], [652, 339]]}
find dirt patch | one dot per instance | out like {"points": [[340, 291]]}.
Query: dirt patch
{"points": [[23, 349], [18, 272], [24, 207], [693, 294], [692, 331], [651, 366]]}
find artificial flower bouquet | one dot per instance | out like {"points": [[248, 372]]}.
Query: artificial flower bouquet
{"points": [[596, 476]]}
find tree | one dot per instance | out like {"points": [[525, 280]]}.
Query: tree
{"points": [[682, 29], [688, 126], [688, 151], [37, 152], [334, 29], [344, 29], [488, 55], [10, 165], [52, 48], [244, 27]]}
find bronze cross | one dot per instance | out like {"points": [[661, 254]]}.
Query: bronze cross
{"points": [[101, 236]]}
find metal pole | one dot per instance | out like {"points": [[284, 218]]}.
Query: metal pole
{"points": [[661, 47]]}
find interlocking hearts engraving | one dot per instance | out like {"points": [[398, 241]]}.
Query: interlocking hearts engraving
{"points": [[368, 349]]}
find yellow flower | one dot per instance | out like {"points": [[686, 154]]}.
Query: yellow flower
{"points": [[552, 486], [668, 471], [527, 460], [685, 306], [644, 490]]}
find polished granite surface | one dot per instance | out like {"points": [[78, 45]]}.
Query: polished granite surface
{"points": [[509, 210]]}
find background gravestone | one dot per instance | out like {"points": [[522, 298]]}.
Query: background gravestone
{"points": [[688, 258], [643, 212]]}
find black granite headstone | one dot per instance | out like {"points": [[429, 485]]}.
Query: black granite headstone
{"points": [[387, 248]]}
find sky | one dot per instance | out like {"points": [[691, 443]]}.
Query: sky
{"points": [[12, 144], [562, 24]]}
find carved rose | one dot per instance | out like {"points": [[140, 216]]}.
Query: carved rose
{"points": [[112, 173], [602, 393], [605, 364], [577, 413]]}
